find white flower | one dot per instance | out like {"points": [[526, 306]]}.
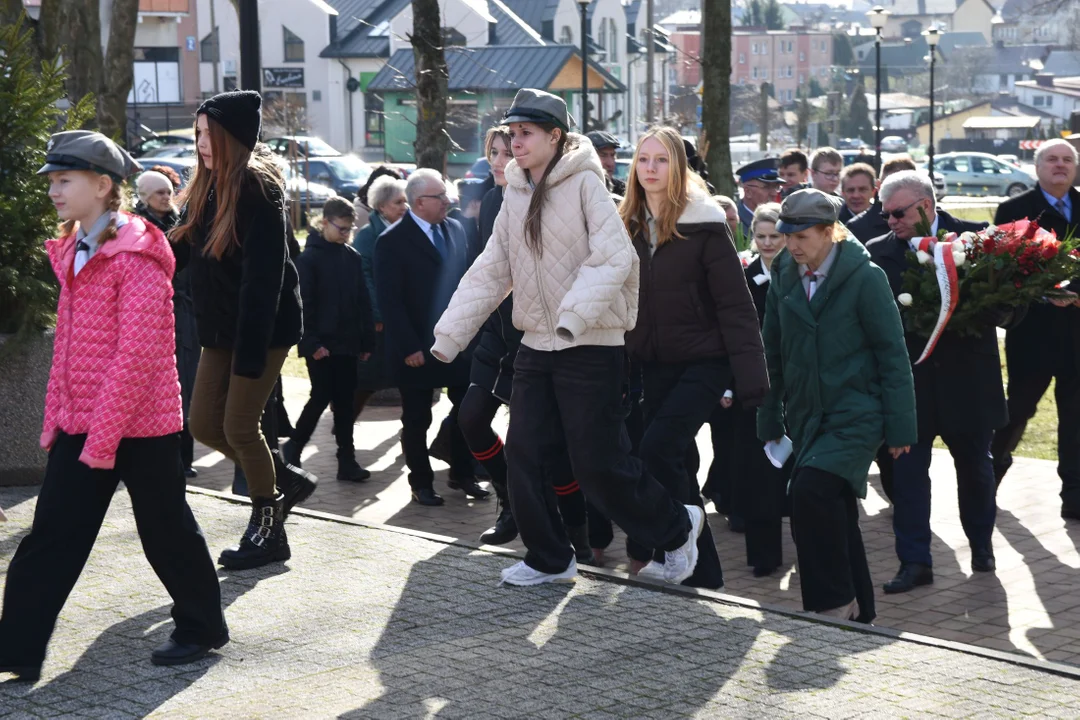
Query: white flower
{"points": [[968, 238], [924, 257], [992, 229], [904, 299], [959, 257]]}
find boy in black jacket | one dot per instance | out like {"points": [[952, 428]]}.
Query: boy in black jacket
{"points": [[339, 330]]}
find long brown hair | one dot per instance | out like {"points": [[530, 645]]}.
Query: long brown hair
{"points": [[113, 203], [234, 165], [532, 219], [633, 206]]}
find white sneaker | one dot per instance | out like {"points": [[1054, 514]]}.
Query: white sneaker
{"points": [[679, 564], [521, 574], [652, 571]]}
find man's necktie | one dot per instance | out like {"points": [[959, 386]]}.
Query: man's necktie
{"points": [[813, 284], [1060, 207], [438, 240]]}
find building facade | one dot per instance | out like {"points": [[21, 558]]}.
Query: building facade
{"points": [[786, 59]]}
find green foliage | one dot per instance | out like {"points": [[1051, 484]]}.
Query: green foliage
{"points": [[815, 89], [843, 53], [763, 13], [857, 122], [29, 93]]}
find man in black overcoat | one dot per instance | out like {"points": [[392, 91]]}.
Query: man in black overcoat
{"points": [[959, 397], [1045, 345], [418, 263]]}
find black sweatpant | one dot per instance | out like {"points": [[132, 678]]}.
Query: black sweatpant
{"points": [[70, 509], [333, 380], [574, 398], [762, 492], [678, 399], [832, 559], [475, 415], [720, 485], [415, 421]]}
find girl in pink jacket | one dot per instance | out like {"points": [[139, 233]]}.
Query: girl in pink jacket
{"points": [[112, 413]]}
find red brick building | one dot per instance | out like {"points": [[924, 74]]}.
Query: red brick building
{"points": [[787, 59]]}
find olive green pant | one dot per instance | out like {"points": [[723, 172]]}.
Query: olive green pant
{"points": [[226, 410]]}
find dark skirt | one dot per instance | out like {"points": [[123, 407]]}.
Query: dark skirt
{"points": [[188, 352], [371, 373]]}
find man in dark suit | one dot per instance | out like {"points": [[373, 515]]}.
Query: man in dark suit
{"points": [[869, 223], [959, 397], [1045, 345], [418, 263]]}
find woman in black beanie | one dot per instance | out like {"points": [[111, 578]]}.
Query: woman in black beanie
{"points": [[245, 288]]}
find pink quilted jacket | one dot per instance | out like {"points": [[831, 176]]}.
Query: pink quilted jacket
{"points": [[114, 362]]}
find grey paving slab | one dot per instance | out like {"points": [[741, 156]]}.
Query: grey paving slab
{"points": [[367, 623]]}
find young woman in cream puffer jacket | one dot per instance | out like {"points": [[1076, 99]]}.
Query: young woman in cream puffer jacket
{"points": [[575, 286]]}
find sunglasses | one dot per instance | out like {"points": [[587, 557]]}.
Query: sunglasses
{"points": [[898, 214]]}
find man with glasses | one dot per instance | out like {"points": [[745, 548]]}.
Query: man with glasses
{"points": [[1045, 346], [825, 167], [418, 263], [759, 182], [959, 397]]}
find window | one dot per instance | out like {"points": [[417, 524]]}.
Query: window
{"points": [[802, 78], [294, 46], [765, 48], [316, 95], [157, 75], [742, 58], [453, 38], [374, 120], [790, 46], [613, 48], [463, 126], [209, 50], [1037, 100], [753, 74], [978, 165], [754, 48], [802, 57], [566, 37], [1003, 81]]}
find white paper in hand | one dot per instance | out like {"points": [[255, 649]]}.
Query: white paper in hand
{"points": [[3, 517], [778, 451]]}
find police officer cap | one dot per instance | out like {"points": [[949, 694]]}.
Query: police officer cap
{"points": [[537, 106], [601, 139], [86, 150], [804, 209], [763, 170]]}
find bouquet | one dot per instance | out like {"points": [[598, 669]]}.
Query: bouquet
{"points": [[961, 282]]}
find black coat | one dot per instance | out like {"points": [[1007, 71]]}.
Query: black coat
{"points": [[758, 292], [414, 286], [498, 340], [868, 224], [958, 389], [337, 306], [1045, 335], [249, 300]]}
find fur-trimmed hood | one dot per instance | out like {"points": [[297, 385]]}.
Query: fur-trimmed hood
{"points": [[580, 156], [701, 209]]}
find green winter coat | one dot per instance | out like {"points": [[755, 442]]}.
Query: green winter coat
{"points": [[364, 241], [839, 370]]}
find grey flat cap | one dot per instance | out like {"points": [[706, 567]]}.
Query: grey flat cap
{"points": [[86, 150], [601, 139], [537, 106], [804, 209]]}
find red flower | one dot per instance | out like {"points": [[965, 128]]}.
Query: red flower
{"points": [[1049, 251], [1031, 230]]}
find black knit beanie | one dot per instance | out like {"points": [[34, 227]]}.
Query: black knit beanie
{"points": [[239, 112]]}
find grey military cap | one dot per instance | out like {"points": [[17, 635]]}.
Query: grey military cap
{"points": [[537, 106], [86, 150], [601, 139], [804, 209]]}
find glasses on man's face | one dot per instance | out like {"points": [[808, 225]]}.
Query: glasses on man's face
{"points": [[343, 230], [829, 175], [441, 197], [897, 214]]}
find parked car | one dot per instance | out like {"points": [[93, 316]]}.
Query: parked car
{"points": [[982, 174], [184, 166], [622, 168], [344, 173], [405, 168], [480, 169], [304, 193], [893, 144], [170, 151], [159, 141], [1011, 159], [861, 154], [306, 146]]}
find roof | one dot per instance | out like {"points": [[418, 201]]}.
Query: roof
{"points": [[1011, 107], [511, 29], [501, 68], [363, 27], [1062, 86], [682, 17], [897, 101], [904, 8], [1001, 122], [1008, 59], [977, 106], [534, 12], [952, 41], [1063, 63]]}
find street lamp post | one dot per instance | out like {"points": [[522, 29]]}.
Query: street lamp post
{"points": [[250, 60], [878, 17], [933, 36], [583, 6]]}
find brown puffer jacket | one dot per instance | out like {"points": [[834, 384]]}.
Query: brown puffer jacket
{"points": [[694, 302]]}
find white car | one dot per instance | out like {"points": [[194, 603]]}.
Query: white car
{"points": [[894, 144]]}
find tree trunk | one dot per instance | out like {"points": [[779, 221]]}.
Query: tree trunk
{"points": [[763, 118], [716, 93], [79, 37], [119, 69], [432, 79]]}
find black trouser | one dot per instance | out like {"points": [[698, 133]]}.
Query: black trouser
{"points": [[678, 399], [885, 471], [601, 532], [187, 447], [762, 492], [574, 398], [477, 410], [1029, 378], [415, 421], [832, 559], [721, 480], [70, 509], [333, 380]]}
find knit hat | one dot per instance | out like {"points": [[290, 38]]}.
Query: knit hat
{"points": [[239, 112], [150, 182]]}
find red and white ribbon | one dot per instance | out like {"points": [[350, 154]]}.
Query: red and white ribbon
{"points": [[948, 283]]}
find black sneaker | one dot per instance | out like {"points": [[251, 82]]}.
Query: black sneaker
{"points": [[352, 472]]}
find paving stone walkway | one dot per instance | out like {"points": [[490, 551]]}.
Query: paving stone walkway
{"points": [[369, 623], [1031, 605]]}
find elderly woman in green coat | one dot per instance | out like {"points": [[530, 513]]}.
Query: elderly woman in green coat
{"points": [[841, 384]]}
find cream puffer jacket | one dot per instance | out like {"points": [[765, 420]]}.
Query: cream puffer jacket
{"points": [[581, 290]]}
